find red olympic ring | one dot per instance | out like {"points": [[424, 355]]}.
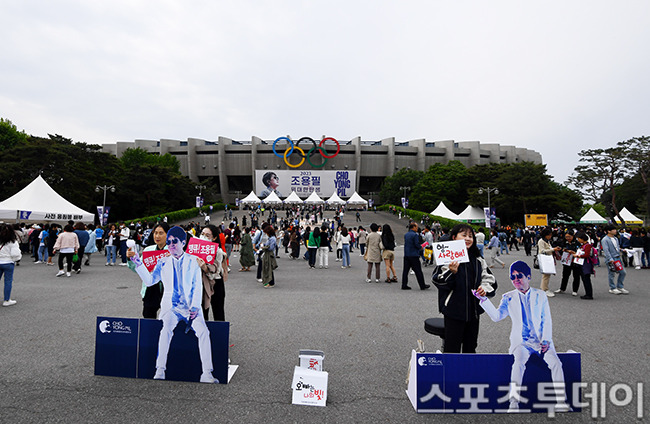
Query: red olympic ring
{"points": [[338, 147]]}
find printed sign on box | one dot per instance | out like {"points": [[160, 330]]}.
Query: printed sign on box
{"points": [[446, 252], [309, 387]]}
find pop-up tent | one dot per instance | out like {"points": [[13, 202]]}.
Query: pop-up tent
{"points": [[38, 202], [335, 200], [251, 199], [592, 217], [314, 199], [472, 214], [355, 199], [293, 199], [629, 217], [444, 212], [272, 199]]}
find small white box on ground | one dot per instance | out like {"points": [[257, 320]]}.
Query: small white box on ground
{"points": [[312, 359], [309, 387]]}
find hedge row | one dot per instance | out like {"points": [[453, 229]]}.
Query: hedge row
{"points": [[176, 216]]}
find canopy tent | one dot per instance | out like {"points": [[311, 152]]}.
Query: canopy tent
{"points": [[314, 199], [38, 202], [444, 212], [355, 199], [293, 199], [272, 199], [335, 200], [472, 214], [251, 199], [628, 217], [592, 217]]}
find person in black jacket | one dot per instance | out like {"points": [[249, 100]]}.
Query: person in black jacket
{"points": [[456, 301]]}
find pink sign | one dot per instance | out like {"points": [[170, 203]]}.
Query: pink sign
{"points": [[150, 259], [205, 250]]}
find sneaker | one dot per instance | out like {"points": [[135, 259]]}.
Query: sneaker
{"points": [[78, 271], [549, 293], [259, 280], [376, 280], [426, 286], [587, 297], [559, 291], [38, 262], [343, 266], [411, 272], [623, 291], [637, 267], [160, 374], [123, 264], [107, 264], [368, 280], [112, 263], [574, 294], [50, 263], [614, 291], [406, 288], [67, 274], [60, 273], [207, 377], [8, 302]]}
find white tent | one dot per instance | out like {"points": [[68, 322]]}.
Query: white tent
{"points": [[251, 199], [314, 199], [592, 217], [472, 214], [40, 203], [629, 217], [293, 198], [444, 212], [272, 199], [355, 199], [335, 200]]}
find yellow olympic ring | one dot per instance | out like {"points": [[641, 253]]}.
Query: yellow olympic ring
{"points": [[302, 153]]}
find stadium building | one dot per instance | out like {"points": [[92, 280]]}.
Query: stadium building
{"points": [[230, 165]]}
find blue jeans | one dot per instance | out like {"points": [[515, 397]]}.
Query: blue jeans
{"points": [[621, 278], [42, 253], [346, 255], [480, 249], [645, 258], [111, 252], [8, 271]]}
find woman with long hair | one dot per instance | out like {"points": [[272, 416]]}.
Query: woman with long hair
{"points": [[214, 277], [247, 255], [456, 284], [388, 255], [111, 241], [9, 254], [344, 240], [373, 252], [268, 258]]}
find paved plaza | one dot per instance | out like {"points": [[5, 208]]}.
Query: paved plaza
{"points": [[367, 331]]}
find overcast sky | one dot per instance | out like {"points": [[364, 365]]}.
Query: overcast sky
{"points": [[553, 76]]}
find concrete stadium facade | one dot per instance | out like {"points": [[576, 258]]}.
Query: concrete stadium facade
{"points": [[230, 164]]}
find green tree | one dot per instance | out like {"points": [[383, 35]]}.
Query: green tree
{"points": [[637, 159], [10, 136], [441, 182], [137, 157], [600, 172], [390, 189]]}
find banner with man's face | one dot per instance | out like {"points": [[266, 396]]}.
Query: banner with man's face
{"points": [[304, 183]]}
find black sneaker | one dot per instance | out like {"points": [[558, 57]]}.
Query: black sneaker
{"points": [[406, 288], [426, 286]]}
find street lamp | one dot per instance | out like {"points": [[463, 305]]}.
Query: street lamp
{"points": [[489, 190], [105, 188], [200, 187], [405, 188]]}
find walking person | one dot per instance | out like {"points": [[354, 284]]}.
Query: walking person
{"points": [[344, 240], [412, 252], [83, 237], [268, 258], [615, 268], [544, 248], [246, 255], [91, 246], [68, 245], [373, 253], [388, 255], [585, 255], [9, 254], [324, 247], [313, 243], [493, 247]]}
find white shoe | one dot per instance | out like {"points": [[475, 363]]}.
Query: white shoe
{"points": [[614, 291], [107, 264], [559, 291], [637, 267], [343, 266], [549, 293], [574, 294], [376, 280], [368, 280], [160, 374], [60, 273], [67, 274], [38, 262], [259, 280], [412, 272], [623, 291], [207, 377], [8, 302]]}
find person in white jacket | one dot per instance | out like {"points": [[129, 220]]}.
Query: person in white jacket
{"points": [[181, 301], [9, 254], [531, 332]]}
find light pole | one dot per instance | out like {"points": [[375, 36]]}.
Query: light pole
{"points": [[405, 188], [489, 190], [200, 187], [105, 188]]}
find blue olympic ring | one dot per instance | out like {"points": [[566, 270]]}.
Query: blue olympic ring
{"points": [[276, 142]]}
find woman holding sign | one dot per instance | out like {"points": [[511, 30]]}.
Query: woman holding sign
{"points": [[151, 296], [214, 277], [456, 283]]}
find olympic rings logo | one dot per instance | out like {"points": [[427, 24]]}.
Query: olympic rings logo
{"points": [[316, 148]]}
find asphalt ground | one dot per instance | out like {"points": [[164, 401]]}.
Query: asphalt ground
{"points": [[367, 331]]}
